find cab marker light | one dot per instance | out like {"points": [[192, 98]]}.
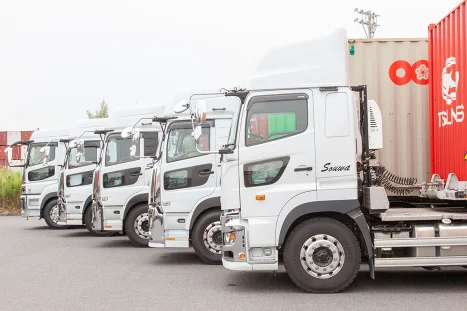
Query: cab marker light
{"points": [[107, 227], [260, 197], [170, 239], [241, 256]]}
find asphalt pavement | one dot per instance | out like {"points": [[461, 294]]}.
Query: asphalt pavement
{"points": [[44, 269]]}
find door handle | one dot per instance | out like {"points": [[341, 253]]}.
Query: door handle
{"points": [[301, 169], [136, 174], [205, 173]]}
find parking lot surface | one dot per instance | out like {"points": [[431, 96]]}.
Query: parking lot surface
{"points": [[43, 269]]}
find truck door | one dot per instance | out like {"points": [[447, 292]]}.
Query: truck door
{"points": [[122, 175], [188, 176], [276, 156], [37, 175]]}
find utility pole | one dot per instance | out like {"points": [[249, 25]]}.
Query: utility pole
{"points": [[369, 22]]}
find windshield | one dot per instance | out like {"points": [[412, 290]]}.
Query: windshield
{"points": [[88, 157], [37, 157], [231, 142]]}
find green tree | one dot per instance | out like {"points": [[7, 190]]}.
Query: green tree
{"points": [[101, 112]]}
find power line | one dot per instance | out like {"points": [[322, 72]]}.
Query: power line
{"points": [[369, 22]]}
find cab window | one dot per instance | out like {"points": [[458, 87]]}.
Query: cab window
{"points": [[182, 145], [275, 118], [118, 150], [89, 156], [37, 157]]}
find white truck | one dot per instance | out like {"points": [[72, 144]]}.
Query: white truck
{"points": [[187, 207], [300, 178], [75, 182], [120, 185], [45, 155]]}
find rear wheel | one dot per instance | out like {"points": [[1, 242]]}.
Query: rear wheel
{"points": [[322, 255], [51, 215], [88, 223], [206, 237], [137, 225]]}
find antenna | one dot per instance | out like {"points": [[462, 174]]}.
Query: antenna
{"points": [[369, 22]]}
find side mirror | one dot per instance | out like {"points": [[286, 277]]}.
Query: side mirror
{"points": [[126, 133], [46, 151], [197, 133], [200, 112], [79, 150], [182, 106], [134, 143]]}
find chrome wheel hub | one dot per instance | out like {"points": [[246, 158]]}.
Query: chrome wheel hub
{"points": [[54, 214], [142, 226], [322, 256], [212, 237]]}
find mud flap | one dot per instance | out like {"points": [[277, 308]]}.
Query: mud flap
{"points": [[360, 220]]}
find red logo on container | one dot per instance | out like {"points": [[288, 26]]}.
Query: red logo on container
{"points": [[418, 72], [449, 83]]}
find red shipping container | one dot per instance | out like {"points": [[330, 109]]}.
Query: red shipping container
{"points": [[16, 153], [447, 55], [2, 152], [3, 139], [26, 135]]}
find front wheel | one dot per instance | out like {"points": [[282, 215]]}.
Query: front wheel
{"points": [[206, 237], [137, 225], [322, 255], [51, 216], [88, 224]]}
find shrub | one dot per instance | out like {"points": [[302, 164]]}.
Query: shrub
{"points": [[10, 191]]}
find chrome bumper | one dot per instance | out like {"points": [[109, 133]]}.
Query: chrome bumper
{"points": [[156, 228], [233, 250]]}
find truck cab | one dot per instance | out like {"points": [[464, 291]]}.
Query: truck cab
{"points": [[75, 183], [187, 178], [44, 158], [121, 178]]}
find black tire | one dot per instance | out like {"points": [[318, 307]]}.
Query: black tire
{"points": [[322, 227], [48, 209], [198, 240], [88, 224], [136, 231]]}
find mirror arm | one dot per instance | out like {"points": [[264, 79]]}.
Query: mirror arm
{"points": [[206, 152]]}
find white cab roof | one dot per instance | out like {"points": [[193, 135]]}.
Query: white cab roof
{"points": [[217, 106], [47, 135], [317, 62], [123, 117], [88, 125]]}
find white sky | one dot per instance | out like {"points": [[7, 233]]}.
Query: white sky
{"points": [[60, 58]]}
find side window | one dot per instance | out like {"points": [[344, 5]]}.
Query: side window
{"points": [[193, 176], [181, 145], [264, 172], [272, 119], [151, 142], [337, 115], [37, 157], [118, 150], [41, 174], [90, 155]]}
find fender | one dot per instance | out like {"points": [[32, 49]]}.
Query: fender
{"points": [[47, 197], [204, 206], [348, 207], [87, 203], [137, 199]]}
